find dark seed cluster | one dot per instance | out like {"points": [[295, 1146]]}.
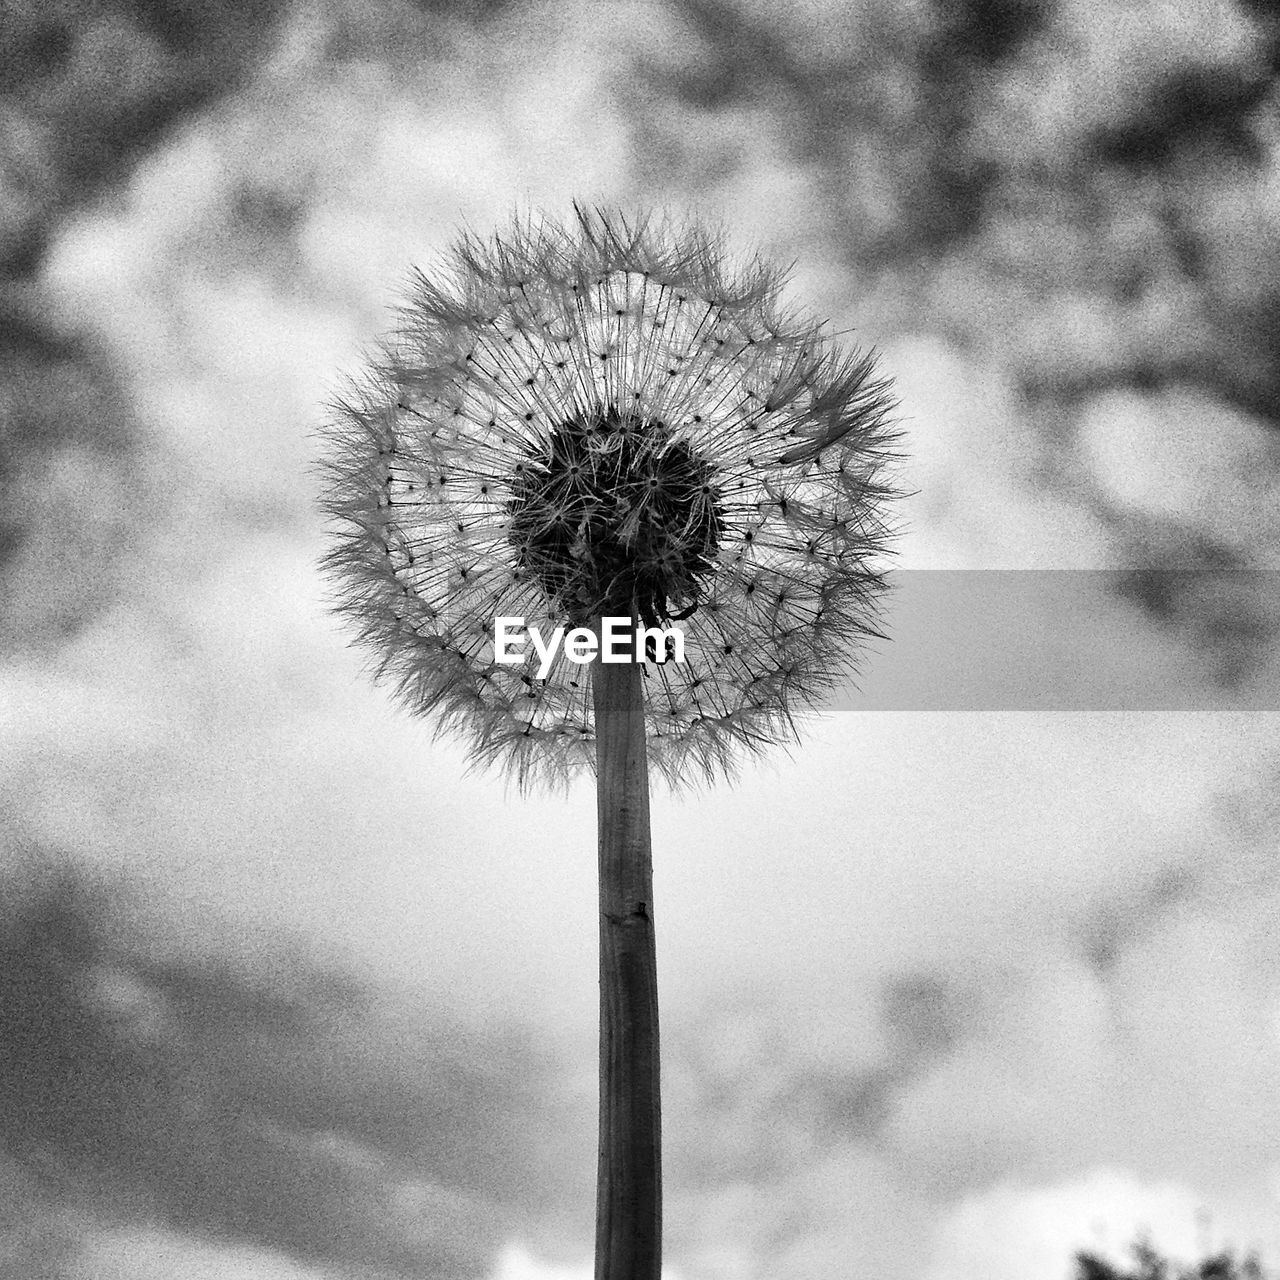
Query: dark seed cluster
{"points": [[620, 519]]}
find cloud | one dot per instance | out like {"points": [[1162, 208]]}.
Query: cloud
{"points": [[1031, 1233], [261, 1099], [155, 1254], [41, 1226], [517, 1263], [928, 977], [841, 1210]]}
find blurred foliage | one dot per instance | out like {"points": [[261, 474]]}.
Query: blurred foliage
{"points": [[1148, 1264]]}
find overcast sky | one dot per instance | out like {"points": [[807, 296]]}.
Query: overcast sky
{"points": [[290, 994]]}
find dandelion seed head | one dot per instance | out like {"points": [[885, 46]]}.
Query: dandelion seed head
{"points": [[607, 417]]}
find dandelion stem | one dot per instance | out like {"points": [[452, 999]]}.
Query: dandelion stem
{"points": [[629, 1177]]}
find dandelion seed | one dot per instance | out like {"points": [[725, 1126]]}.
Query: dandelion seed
{"points": [[605, 417]]}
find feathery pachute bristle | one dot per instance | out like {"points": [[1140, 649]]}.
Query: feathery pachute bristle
{"points": [[604, 415]]}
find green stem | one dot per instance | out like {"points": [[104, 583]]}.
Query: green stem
{"points": [[629, 1175]]}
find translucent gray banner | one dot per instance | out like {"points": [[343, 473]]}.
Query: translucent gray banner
{"points": [[1073, 640]]}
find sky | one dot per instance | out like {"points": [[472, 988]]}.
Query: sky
{"points": [[973, 977]]}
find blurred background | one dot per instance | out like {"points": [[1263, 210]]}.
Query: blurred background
{"points": [[287, 994]]}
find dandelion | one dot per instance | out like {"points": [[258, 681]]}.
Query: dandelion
{"points": [[609, 419]]}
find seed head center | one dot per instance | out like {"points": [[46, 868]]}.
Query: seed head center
{"points": [[617, 517]]}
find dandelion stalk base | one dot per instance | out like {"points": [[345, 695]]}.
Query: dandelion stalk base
{"points": [[629, 1177]]}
